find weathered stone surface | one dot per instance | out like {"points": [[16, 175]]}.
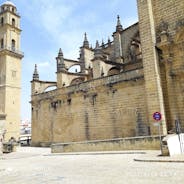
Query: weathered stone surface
{"points": [[134, 143], [92, 110]]}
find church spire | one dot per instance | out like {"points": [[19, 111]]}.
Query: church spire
{"points": [[119, 27], [97, 45], [60, 61], [35, 74], [85, 43], [60, 54], [97, 51], [109, 41], [103, 45]]}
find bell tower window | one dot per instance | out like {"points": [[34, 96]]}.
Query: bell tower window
{"points": [[13, 45], [13, 22], [2, 43], [2, 20]]}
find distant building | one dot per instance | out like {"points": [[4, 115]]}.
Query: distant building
{"points": [[120, 84], [10, 71], [25, 127]]}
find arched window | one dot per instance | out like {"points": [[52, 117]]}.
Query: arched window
{"points": [[77, 81], [114, 71], [2, 20], [50, 88], [13, 45], [13, 22], [74, 69], [2, 43]]}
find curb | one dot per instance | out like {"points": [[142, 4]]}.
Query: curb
{"points": [[149, 160], [93, 153]]}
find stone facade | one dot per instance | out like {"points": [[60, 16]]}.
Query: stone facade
{"points": [[10, 71], [162, 40], [120, 85]]}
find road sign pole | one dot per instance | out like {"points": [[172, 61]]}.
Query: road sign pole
{"points": [[160, 137], [157, 117]]}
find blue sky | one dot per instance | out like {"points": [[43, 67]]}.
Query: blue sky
{"points": [[48, 25]]}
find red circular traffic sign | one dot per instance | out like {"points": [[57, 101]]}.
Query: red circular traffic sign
{"points": [[157, 116]]}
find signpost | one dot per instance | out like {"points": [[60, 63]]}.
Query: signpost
{"points": [[157, 116]]}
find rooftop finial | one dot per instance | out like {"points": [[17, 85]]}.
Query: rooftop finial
{"points": [[119, 27], [85, 37], [97, 51], [85, 43], [97, 45], [35, 74], [109, 41], [103, 45], [60, 52]]}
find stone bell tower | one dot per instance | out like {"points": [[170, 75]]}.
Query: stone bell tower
{"points": [[10, 70]]}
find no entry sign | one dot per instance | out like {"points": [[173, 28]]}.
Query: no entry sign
{"points": [[157, 116]]}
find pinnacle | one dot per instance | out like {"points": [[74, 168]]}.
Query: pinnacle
{"points": [[35, 74], [97, 45], [85, 43], [60, 52], [119, 26]]}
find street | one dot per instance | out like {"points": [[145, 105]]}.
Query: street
{"points": [[37, 166]]}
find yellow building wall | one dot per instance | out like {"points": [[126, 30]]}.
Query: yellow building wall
{"points": [[163, 71], [13, 97], [173, 56], [102, 112]]}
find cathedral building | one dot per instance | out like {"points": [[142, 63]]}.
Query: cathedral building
{"points": [[120, 84], [10, 71]]}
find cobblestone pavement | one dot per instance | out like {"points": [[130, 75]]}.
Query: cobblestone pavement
{"points": [[38, 166]]}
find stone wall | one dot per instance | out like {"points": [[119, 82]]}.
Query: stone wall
{"points": [[161, 25], [135, 143], [153, 88], [169, 17], [10, 87], [105, 108]]}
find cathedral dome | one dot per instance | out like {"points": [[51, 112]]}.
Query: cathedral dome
{"points": [[8, 3]]}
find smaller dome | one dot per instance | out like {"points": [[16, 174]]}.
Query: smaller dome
{"points": [[8, 3]]}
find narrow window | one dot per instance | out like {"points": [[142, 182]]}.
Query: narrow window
{"points": [[13, 22], [2, 43], [2, 20], [13, 45]]}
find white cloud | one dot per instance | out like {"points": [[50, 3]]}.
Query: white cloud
{"points": [[64, 26]]}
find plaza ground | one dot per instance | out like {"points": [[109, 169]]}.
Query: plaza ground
{"points": [[38, 166]]}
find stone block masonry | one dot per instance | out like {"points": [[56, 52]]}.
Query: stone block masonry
{"points": [[105, 108], [132, 143]]}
